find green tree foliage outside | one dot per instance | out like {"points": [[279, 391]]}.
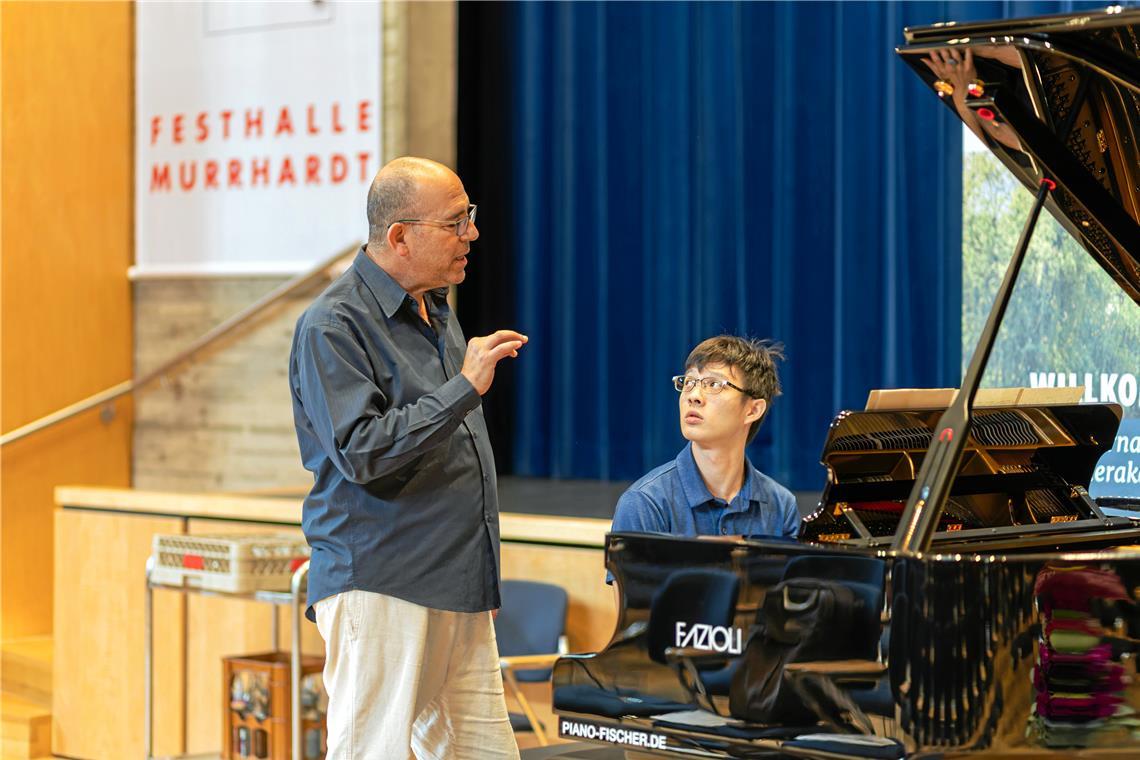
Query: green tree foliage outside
{"points": [[1066, 314]]}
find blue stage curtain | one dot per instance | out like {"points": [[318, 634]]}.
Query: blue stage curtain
{"points": [[683, 170]]}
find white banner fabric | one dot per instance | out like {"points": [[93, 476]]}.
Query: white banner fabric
{"points": [[257, 133]]}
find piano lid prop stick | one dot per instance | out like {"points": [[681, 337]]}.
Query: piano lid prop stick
{"points": [[940, 465]]}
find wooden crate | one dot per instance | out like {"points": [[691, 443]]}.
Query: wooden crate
{"points": [[256, 708]]}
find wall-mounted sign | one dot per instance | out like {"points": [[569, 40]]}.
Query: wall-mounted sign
{"points": [[257, 132]]}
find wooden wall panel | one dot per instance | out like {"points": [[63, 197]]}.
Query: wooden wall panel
{"points": [[103, 537], [98, 665], [592, 615], [66, 242]]}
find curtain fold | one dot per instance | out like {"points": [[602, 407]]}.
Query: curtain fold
{"points": [[681, 170]]}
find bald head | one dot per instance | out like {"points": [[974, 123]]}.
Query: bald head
{"points": [[397, 192]]}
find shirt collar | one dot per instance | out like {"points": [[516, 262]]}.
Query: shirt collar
{"points": [[386, 290], [697, 493]]}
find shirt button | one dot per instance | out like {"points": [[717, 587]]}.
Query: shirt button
{"points": [[474, 434], [486, 478]]}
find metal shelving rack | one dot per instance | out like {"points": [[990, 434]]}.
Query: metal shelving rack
{"points": [[294, 598]]}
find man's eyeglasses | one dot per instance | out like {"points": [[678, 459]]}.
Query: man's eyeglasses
{"points": [[461, 225], [709, 385]]}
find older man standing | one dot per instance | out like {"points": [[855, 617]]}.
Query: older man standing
{"points": [[403, 516]]}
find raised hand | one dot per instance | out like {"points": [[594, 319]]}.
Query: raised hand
{"points": [[953, 66], [956, 68], [484, 353]]}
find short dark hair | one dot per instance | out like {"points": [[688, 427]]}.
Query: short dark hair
{"points": [[753, 358], [389, 198]]}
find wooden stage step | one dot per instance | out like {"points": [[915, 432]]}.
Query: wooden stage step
{"points": [[25, 728], [25, 668], [25, 698]]}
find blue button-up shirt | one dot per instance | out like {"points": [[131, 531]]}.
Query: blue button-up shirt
{"points": [[673, 498], [404, 499]]}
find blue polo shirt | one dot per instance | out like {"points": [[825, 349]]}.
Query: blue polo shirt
{"points": [[673, 498]]}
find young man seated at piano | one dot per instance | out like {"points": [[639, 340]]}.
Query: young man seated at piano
{"points": [[711, 488]]}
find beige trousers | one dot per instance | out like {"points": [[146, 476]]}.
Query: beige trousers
{"points": [[409, 681]]}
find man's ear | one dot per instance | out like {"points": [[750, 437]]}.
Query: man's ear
{"points": [[756, 409], [395, 238]]}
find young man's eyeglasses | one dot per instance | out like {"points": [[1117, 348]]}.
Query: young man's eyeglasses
{"points": [[461, 225], [709, 385]]}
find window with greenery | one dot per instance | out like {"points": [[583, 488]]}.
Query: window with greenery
{"points": [[1067, 324]]}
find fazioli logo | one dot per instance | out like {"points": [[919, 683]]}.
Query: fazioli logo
{"points": [[710, 638]]}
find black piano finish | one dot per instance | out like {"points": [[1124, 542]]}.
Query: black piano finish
{"points": [[1073, 105], [1011, 629], [941, 655]]}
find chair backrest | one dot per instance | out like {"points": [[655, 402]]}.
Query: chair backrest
{"points": [[531, 621], [691, 596], [870, 570], [854, 633]]}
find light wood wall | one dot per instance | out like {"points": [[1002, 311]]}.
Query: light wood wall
{"points": [[592, 614], [103, 538], [65, 302], [98, 670]]}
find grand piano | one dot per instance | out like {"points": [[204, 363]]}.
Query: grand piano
{"points": [[957, 592]]}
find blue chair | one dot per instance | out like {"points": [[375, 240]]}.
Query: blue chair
{"points": [[530, 629], [692, 596]]}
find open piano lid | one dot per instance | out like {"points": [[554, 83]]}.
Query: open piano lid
{"points": [[1064, 95]]}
